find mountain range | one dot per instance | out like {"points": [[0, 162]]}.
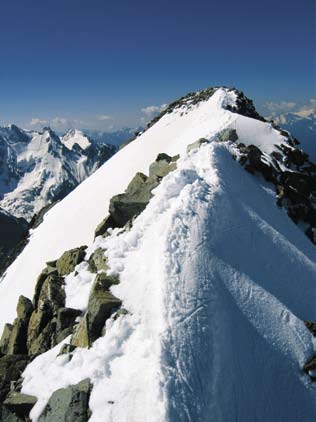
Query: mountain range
{"points": [[37, 169], [174, 284]]}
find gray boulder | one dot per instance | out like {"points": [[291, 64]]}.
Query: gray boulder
{"points": [[24, 308], [69, 404], [20, 404], [69, 259], [5, 338], [197, 144], [17, 341], [102, 303], [11, 368], [97, 261]]}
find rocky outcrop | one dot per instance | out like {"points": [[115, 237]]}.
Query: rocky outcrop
{"points": [[51, 321], [69, 259], [13, 340], [46, 321], [11, 368], [293, 177], [19, 404], [5, 338], [244, 106], [125, 207], [69, 404], [97, 261], [41, 325], [102, 303]]}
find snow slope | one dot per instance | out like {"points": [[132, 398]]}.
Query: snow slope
{"points": [[72, 222], [217, 281]]}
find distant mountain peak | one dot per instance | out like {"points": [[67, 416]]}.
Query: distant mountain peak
{"points": [[38, 168], [75, 136]]}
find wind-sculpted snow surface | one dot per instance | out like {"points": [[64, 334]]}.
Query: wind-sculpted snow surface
{"points": [[72, 221], [217, 282]]}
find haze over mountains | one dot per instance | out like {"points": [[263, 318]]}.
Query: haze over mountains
{"points": [[176, 283]]}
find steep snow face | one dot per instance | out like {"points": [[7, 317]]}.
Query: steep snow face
{"points": [[75, 136], [72, 221], [37, 169], [217, 281]]}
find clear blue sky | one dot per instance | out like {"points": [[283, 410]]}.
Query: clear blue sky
{"points": [[79, 60]]}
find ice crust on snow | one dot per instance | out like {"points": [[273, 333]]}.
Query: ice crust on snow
{"points": [[217, 283]]}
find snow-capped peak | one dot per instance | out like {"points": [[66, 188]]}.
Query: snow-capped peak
{"points": [[75, 136], [37, 168]]}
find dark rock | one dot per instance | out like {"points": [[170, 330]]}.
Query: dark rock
{"points": [[11, 368], [24, 309], [102, 303], [20, 404], [67, 349], [125, 207], [40, 281], [5, 338], [38, 218], [13, 341], [244, 106], [7, 416], [14, 232], [163, 157], [17, 342], [107, 223], [311, 327], [66, 318], [52, 294], [36, 341], [97, 261], [69, 404], [310, 366], [69, 259], [41, 334]]}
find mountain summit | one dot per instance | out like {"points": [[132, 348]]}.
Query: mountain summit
{"points": [[175, 284]]}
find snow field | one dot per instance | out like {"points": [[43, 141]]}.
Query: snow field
{"points": [[217, 283]]}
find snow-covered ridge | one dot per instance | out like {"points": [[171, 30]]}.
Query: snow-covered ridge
{"points": [[87, 205], [200, 308], [217, 281], [37, 169]]}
